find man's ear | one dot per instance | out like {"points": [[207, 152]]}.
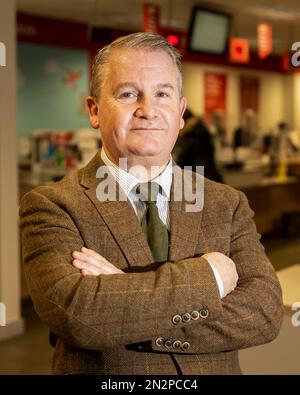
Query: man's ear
{"points": [[182, 107], [93, 112]]}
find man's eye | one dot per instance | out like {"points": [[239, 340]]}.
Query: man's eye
{"points": [[127, 95], [162, 94]]}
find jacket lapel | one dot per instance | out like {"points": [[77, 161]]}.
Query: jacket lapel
{"points": [[186, 237], [119, 217]]}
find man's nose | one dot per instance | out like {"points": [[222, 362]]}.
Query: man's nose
{"points": [[146, 108]]}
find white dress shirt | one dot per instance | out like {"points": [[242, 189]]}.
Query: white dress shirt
{"points": [[128, 182]]}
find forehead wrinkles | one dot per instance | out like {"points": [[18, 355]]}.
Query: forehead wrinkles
{"points": [[120, 61], [139, 61]]}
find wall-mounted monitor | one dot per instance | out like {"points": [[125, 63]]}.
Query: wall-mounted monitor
{"points": [[209, 31]]}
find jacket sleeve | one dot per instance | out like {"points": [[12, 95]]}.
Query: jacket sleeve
{"points": [[97, 312], [251, 314]]}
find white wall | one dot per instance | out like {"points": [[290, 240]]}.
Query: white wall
{"points": [[289, 97], [272, 99], [296, 78], [9, 245]]}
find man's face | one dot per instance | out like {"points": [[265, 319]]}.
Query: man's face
{"points": [[140, 110]]}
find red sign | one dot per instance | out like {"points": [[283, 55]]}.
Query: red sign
{"points": [[214, 93], [172, 39], [264, 37], [151, 18], [239, 50], [286, 62], [249, 93]]}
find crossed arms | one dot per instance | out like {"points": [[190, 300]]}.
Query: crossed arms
{"points": [[99, 311]]}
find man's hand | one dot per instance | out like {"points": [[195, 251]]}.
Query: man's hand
{"points": [[91, 263], [226, 268]]}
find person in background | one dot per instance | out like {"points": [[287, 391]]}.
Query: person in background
{"points": [[278, 144], [135, 283], [283, 144], [218, 130], [195, 147], [247, 135]]}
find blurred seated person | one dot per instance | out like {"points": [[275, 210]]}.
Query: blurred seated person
{"points": [[246, 135], [283, 142], [294, 138], [195, 147], [218, 130], [247, 143]]}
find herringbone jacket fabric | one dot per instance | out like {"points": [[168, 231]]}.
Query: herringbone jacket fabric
{"points": [[131, 323]]}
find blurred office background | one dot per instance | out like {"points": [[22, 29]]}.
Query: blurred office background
{"points": [[241, 75]]}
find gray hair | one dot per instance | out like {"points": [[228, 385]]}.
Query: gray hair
{"points": [[139, 41]]}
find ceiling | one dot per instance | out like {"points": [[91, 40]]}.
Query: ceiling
{"points": [[283, 15]]}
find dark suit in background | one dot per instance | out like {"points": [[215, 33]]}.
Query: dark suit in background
{"points": [[195, 147]]}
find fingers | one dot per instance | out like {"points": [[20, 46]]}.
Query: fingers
{"points": [[95, 257], [89, 269], [91, 252], [90, 262], [84, 269]]}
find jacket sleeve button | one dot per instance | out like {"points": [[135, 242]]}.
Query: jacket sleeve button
{"points": [[185, 346], [177, 344], [186, 317], [176, 319], [159, 341], [195, 315], [168, 343], [204, 313]]}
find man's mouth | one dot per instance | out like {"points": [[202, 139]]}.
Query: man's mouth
{"points": [[146, 129]]}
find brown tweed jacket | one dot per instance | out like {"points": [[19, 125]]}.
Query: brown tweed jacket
{"points": [[131, 323]]}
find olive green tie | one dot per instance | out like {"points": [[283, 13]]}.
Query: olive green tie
{"points": [[155, 230]]}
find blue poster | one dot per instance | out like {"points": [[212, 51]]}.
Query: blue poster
{"points": [[52, 86]]}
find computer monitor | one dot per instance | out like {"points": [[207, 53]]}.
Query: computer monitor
{"points": [[209, 31]]}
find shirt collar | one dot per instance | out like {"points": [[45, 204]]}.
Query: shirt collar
{"points": [[128, 181]]}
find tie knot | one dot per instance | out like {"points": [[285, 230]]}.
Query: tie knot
{"points": [[148, 191]]}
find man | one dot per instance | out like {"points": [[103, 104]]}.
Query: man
{"points": [[142, 285], [195, 147]]}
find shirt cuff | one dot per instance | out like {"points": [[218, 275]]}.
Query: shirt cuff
{"points": [[218, 280]]}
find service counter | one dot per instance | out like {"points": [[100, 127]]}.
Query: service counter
{"points": [[271, 200]]}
